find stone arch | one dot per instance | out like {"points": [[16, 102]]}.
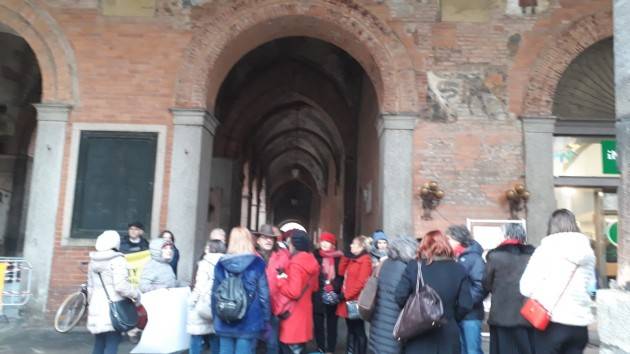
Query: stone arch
{"points": [[538, 86], [52, 49], [222, 39]]}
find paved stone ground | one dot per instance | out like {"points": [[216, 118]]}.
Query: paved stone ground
{"points": [[21, 338]]}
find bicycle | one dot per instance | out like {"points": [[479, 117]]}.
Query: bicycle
{"points": [[72, 309]]}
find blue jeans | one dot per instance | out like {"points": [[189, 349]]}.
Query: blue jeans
{"points": [[470, 336], [106, 343], [229, 345], [273, 344], [196, 343]]}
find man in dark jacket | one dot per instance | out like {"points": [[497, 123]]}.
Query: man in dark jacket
{"points": [[469, 254], [133, 241]]}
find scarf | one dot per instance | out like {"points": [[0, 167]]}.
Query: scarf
{"points": [[511, 242], [328, 262]]}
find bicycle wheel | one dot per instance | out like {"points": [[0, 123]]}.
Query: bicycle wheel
{"points": [[70, 312]]}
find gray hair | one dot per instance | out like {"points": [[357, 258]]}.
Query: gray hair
{"points": [[460, 234], [403, 248], [215, 246], [514, 231], [562, 220]]}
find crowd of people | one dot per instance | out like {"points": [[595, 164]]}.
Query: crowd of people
{"points": [[274, 292]]}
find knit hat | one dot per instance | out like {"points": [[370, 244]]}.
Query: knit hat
{"points": [[378, 236], [327, 236], [137, 224], [300, 241], [108, 240]]}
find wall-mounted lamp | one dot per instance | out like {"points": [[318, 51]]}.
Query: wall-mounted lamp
{"points": [[517, 198], [431, 194]]}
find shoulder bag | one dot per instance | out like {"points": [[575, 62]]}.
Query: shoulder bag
{"points": [[422, 312], [367, 298], [536, 314], [122, 313]]}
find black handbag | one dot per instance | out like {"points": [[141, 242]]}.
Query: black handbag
{"points": [[422, 312], [122, 313]]}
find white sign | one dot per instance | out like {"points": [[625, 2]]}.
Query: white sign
{"points": [[489, 233]]}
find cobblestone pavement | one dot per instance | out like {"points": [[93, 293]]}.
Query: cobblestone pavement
{"points": [[17, 338]]}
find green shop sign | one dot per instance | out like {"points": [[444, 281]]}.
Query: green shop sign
{"points": [[609, 157], [612, 234]]}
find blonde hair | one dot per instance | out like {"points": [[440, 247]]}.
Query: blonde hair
{"points": [[241, 241], [364, 242]]}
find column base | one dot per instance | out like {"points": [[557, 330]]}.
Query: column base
{"points": [[613, 312]]}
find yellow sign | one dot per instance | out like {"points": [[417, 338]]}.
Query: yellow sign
{"points": [[3, 269], [136, 261]]}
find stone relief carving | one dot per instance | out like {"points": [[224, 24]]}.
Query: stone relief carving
{"points": [[456, 95]]}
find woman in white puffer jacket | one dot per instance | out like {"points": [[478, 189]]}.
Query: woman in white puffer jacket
{"points": [[558, 276], [113, 268], [199, 324]]}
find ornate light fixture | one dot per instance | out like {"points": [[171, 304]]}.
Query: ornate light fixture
{"points": [[431, 194], [517, 198]]}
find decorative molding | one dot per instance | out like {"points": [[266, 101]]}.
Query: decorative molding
{"points": [[58, 112], [195, 117], [389, 121]]}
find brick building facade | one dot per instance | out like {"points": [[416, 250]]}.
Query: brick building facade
{"points": [[253, 105]]}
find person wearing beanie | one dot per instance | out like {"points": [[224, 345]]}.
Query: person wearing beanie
{"points": [[133, 241], [297, 283], [379, 247], [355, 268], [111, 265], [326, 299], [468, 253]]}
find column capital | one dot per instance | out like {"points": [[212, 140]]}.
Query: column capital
{"points": [[195, 117], [539, 124], [394, 121], [53, 111]]}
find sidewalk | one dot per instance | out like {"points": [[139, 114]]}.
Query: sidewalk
{"points": [[22, 338]]}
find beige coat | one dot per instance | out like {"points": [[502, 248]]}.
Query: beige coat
{"points": [[114, 271], [203, 288]]}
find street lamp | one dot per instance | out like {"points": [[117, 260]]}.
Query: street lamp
{"points": [[431, 194], [517, 198]]}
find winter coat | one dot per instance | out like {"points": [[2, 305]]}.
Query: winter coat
{"points": [[386, 309], [472, 261], [175, 260], [504, 269], [318, 305], [277, 260], [157, 273], [126, 246], [251, 269], [356, 270], [451, 282], [377, 255], [301, 281], [549, 272], [204, 280], [114, 271]]}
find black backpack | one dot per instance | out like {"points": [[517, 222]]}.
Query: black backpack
{"points": [[231, 298]]}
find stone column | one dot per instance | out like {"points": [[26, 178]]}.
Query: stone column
{"points": [[613, 305], [189, 189], [43, 205], [395, 172], [538, 137]]}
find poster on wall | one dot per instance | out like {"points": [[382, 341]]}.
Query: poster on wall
{"points": [[488, 232]]}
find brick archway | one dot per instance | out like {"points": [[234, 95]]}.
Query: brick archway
{"points": [[53, 51], [539, 67], [221, 39]]}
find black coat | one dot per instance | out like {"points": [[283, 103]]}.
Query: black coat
{"points": [[504, 269], [386, 309], [472, 261], [451, 282], [126, 246], [318, 305]]}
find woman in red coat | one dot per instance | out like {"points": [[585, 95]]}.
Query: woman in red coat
{"points": [[356, 269], [298, 282]]}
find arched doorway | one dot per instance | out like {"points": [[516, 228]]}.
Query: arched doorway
{"points": [[298, 116], [20, 87]]}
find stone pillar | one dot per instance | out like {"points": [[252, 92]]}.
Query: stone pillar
{"points": [[538, 137], [189, 189], [43, 205], [395, 172], [613, 305]]}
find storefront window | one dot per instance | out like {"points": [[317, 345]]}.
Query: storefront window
{"points": [[584, 157]]}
